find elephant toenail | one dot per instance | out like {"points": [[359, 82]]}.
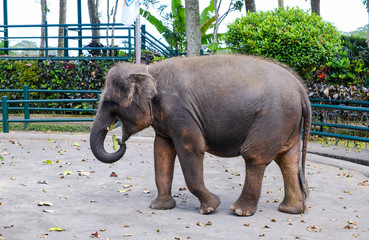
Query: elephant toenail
{"points": [[248, 213], [238, 212]]}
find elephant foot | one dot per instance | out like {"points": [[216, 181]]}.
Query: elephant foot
{"points": [[210, 205], [243, 209], [163, 204], [292, 208]]}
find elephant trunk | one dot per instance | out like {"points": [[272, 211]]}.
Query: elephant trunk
{"points": [[97, 137]]}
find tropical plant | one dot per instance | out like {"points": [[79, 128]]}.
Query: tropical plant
{"points": [[344, 71], [356, 48], [173, 24], [2, 45]]}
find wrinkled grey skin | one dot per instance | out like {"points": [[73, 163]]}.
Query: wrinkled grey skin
{"points": [[227, 105]]}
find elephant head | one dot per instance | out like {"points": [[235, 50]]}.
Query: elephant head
{"points": [[126, 97]]}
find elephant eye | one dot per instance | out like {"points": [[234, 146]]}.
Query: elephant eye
{"points": [[109, 104]]}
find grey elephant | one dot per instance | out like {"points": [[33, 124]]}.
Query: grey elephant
{"points": [[226, 105]]}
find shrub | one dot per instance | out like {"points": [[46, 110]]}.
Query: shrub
{"points": [[2, 45], [356, 47], [344, 71], [73, 75], [78, 75], [290, 35]]}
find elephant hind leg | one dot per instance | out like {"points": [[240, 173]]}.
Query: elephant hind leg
{"points": [[294, 184], [246, 204]]}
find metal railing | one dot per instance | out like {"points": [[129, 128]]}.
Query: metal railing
{"points": [[26, 109], [324, 124], [334, 120], [77, 42]]}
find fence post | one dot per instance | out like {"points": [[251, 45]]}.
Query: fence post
{"points": [[46, 40], [129, 43], [26, 106], [6, 33], [5, 114], [143, 39], [66, 43]]}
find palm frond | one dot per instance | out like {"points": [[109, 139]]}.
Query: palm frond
{"points": [[154, 21]]}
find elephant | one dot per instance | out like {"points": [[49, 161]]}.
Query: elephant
{"points": [[227, 105]]}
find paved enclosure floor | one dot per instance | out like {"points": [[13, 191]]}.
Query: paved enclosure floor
{"points": [[86, 199]]}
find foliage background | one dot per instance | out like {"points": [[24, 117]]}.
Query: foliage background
{"points": [[303, 41]]}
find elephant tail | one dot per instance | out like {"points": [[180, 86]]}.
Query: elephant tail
{"points": [[306, 116]]}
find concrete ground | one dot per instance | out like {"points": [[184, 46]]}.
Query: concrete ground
{"points": [[52, 182]]}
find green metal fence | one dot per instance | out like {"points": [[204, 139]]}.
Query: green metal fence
{"points": [[78, 43], [328, 127], [26, 109], [338, 115]]}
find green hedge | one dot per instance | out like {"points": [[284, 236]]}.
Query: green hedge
{"points": [[76, 75], [290, 35], [79, 75]]}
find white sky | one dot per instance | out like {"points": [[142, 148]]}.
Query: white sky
{"points": [[345, 16]]}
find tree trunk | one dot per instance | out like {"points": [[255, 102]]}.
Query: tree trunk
{"points": [[107, 27], [93, 11], [193, 33], [216, 24], [315, 6], [367, 32], [280, 4], [43, 21], [250, 6], [112, 31], [62, 20]]}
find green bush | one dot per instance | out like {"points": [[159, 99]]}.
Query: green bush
{"points": [[290, 35], [356, 47], [2, 45], [344, 71], [76, 75]]}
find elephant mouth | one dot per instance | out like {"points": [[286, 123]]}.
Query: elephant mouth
{"points": [[98, 135]]}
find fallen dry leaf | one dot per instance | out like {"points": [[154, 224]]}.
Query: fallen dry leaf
{"points": [[95, 235], [56, 229], [351, 225], [42, 182], [42, 203], [200, 224], [84, 174], [48, 211], [208, 223], [313, 228], [113, 174]]}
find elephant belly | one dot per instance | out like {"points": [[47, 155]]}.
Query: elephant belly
{"points": [[226, 146]]}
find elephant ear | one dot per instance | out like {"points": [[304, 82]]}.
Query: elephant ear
{"points": [[143, 86]]}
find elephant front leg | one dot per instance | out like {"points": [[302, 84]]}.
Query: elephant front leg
{"points": [[165, 155], [191, 156]]}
